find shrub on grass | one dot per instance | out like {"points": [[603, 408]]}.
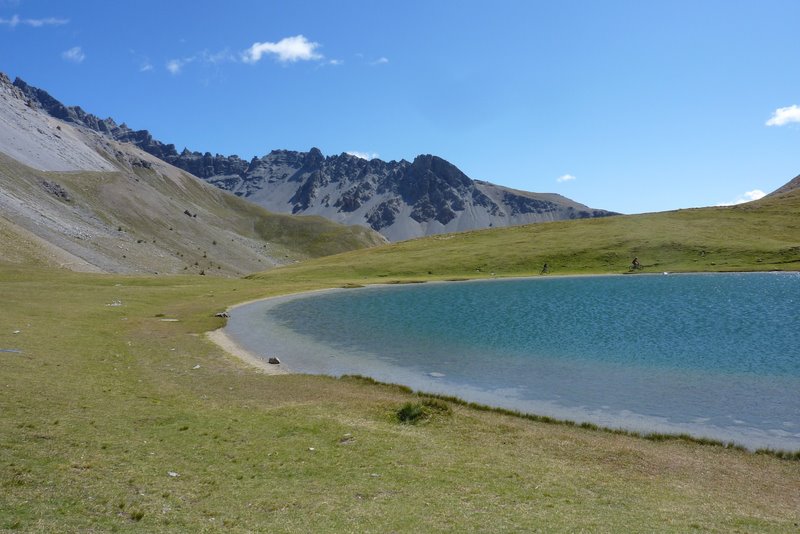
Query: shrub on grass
{"points": [[414, 412]]}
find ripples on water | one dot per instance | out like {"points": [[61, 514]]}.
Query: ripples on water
{"points": [[713, 355]]}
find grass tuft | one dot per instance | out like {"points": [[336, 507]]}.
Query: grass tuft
{"points": [[412, 413], [137, 515], [423, 410], [438, 406], [784, 455]]}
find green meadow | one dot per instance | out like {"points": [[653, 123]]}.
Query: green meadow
{"points": [[759, 236], [117, 414]]}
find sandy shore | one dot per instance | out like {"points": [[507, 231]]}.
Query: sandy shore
{"points": [[231, 347]]}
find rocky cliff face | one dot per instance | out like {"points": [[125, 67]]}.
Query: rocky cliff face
{"points": [[401, 199]]}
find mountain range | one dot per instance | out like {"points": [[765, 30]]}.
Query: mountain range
{"points": [[73, 197], [399, 199], [84, 194]]}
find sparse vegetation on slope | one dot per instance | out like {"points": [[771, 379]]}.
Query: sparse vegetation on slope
{"points": [[154, 220]]}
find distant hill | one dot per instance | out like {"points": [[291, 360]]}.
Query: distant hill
{"points": [[791, 185], [401, 199], [761, 235], [72, 197]]}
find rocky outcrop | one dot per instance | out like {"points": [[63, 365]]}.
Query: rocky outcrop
{"points": [[400, 199]]}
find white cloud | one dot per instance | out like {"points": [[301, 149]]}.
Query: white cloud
{"points": [[363, 155], [15, 21], [287, 50], [145, 67], [380, 61], [565, 178], [175, 66], [783, 116], [336, 62], [74, 54], [748, 196]]}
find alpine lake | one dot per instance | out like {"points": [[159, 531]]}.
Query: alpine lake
{"points": [[710, 355]]}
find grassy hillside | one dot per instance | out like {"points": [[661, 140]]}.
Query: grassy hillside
{"points": [[762, 235], [117, 415], [149, 217]]}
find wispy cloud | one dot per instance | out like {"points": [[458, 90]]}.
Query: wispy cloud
{"points": [[785, 115], [216, 58], [565, 178], [287, 50], [74, 54], [175, 66], [15, 21], [363, 155], [748, 196], [142, 61], [380, 61]]}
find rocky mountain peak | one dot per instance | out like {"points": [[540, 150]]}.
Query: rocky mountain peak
{"points": [[313, 159], [443, 169], [399, 199]]}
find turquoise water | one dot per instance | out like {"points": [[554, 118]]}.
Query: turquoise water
{"points": [[712, 355]]}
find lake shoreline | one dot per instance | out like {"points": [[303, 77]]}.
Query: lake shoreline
{"points": [[436, 383]]}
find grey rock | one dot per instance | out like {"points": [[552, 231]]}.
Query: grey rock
{"points": [[56, 190]]}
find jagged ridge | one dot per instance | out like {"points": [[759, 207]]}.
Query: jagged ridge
{"points": [[399, 199]]}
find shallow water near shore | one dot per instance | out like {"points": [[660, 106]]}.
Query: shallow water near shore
{"points": [[712, 355]]}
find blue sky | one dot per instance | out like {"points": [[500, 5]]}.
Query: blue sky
{"points": [[632, 106]]}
